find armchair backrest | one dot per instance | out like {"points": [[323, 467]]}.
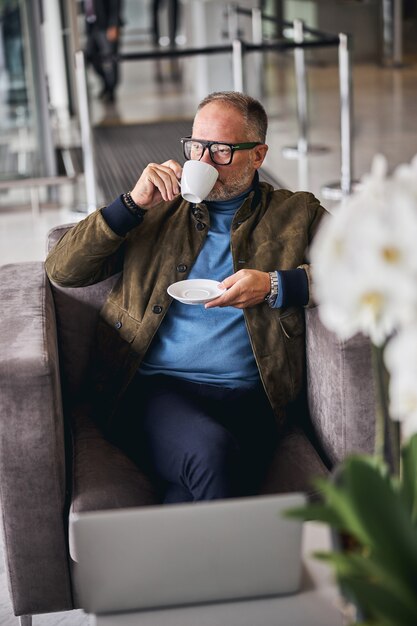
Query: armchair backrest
{"points": [[76, 312], [340, 390]]}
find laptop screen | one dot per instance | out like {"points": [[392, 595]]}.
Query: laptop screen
{"points": [[174, 555]]}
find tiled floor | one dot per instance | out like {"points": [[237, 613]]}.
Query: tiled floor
{"points": [[385, 121]]}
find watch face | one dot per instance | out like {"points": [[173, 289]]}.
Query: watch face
{"points": [[271, 300]]}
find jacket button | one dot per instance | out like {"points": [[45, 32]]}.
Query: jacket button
{"points": [[200, 226], [157, 309], [118, 325], [181, 268]]}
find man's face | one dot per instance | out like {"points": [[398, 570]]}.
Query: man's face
{"points": [[221, 122]]}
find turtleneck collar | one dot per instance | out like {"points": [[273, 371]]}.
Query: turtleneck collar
{"points": [[227, 206]]}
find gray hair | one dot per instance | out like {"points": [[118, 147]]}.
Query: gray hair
{"points": [[252, 110]]}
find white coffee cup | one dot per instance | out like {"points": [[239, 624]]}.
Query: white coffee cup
{"points": [[197, 180]]}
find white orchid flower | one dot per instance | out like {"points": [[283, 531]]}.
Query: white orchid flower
{"points": [[400, 357], [365, 258]]}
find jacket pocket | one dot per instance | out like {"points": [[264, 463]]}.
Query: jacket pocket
{"points": [[292, 323], [123, 325], [292, 326], [116, 331]]}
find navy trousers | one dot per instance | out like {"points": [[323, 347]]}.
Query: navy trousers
{"points": [[201, 442]]}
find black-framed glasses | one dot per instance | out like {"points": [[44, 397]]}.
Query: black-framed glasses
{"points": [[220, 153]]}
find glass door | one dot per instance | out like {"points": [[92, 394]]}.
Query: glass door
{"points": [[26, 148]]}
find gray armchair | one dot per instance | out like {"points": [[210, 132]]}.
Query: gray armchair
{"points": [[55, 461]]}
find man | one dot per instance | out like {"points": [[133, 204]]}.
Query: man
{"points": [[103, 21], [206, 387]]}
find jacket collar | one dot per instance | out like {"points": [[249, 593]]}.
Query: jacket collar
{"points": [[251, 203]]}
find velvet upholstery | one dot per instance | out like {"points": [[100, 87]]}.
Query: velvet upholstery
{"points": [[54, 461], [76, 319], [32, 449], [103, 477], [294, 464], [340, 388]]}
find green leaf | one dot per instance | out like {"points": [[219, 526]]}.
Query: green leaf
{"points": [[379, 605], [316, 512], [380, 602], [373, 512], [338, 499], [356, 566], [376, 510], [409, 477], [382, 516]]}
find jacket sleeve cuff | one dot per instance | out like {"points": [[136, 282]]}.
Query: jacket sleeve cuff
{"points": [[292, 288], [119, 218]]}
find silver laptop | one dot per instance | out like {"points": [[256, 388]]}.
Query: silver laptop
{"points": [[174, 555]]}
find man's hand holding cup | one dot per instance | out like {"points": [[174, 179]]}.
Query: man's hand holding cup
{"points": [[157, 182], [161, 182]]}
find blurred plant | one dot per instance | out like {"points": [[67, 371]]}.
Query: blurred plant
{"points": [[365, 269], [378, 515]]}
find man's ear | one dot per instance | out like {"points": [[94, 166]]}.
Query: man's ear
{"points": [[259, 155]]}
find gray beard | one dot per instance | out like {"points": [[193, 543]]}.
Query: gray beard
{"points": [[234, 187]]}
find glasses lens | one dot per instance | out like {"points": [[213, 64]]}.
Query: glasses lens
{"points": [[193, 150], [221, 153]]}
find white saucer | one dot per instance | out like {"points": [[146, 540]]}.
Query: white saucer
{"points": [[196, 291]]}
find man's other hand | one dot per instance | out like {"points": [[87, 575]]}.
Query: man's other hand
{"points": [[246, 288], [112, 33], [157, 182]]}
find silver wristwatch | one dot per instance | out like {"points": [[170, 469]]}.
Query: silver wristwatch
{"points": [[272, 296]]}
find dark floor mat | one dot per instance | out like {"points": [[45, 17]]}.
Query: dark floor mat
{"points": [[123, 151]]}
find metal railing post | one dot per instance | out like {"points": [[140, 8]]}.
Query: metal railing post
{"points": [[238, 77], [256, 67], [397, 52], [232, 21], [256, 72], [345, 79], [335, 191], [392, 35], [257, 33], [302, 147], [301, 81], [86, 135]]}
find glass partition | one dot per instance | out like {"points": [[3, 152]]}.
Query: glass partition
{"points": [[19, 151]]}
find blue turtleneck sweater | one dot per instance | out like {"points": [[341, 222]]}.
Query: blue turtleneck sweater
{"points": [[206, 345]]}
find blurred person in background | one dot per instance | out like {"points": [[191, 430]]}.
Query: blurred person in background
{"points": [[103, 23]]}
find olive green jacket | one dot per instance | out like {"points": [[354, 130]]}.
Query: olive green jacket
{"points": [[271, 230]]}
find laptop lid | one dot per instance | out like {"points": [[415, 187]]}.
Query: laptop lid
{"points": [[172, 555]]}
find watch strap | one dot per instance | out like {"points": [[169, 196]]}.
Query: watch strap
{"points": [[273, 294]]}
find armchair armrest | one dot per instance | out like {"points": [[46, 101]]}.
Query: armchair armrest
{"points": [[340, 390], [32, 444]]}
